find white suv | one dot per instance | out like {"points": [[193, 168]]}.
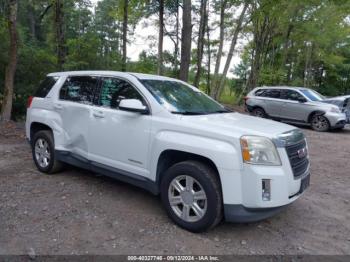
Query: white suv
{"points": [[169, 138]]}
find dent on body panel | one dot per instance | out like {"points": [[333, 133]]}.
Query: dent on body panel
{"points": [[75, 127]]}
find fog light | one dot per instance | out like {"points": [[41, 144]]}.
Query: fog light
{"points": [[266, 189]]}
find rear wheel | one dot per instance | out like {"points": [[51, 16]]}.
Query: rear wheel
{"points": [[320, 123], [259, 112], [191, 195], [43, 151]]}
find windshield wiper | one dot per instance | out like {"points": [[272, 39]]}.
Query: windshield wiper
{"points": [[226, 110], [188, 113]]}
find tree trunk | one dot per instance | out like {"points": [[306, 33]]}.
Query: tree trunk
{"points": [[200, 45], [60, 37], [125, 32], [208, 52], [10, 71], [221, 44], [262, 33], [238, 29], [160, 38], [186, 41], [32, 20]]}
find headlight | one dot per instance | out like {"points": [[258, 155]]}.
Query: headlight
{"points": [[259, 151], [335, 110]]}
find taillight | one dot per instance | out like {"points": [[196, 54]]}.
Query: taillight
{"points": [[29, 101], [245, 99]]}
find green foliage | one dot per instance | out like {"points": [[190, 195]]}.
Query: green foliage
{"points": [[308, 45]]}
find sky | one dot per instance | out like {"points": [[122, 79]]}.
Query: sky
{"points": [[143, 33]]}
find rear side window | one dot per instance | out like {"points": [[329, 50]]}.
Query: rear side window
{"points": [[45, 86], [272, 93], [79, 89], [260, 92]]}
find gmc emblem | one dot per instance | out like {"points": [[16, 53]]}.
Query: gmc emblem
{"points": [[302, 152]]}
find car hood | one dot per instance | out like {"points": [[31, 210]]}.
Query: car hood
{"points": [[238, 124], [324, 104]]}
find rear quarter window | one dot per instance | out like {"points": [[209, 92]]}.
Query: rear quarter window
{"points": [[45, 86], [259, 92]]}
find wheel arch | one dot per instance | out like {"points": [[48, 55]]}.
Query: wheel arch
{"points": [[36, 127], [315, 112], [170, 157]]}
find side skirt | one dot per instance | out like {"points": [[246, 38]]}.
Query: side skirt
{"points": [[291, 121], [121, 175]]}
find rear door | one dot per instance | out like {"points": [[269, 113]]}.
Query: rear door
{"points": [[73, 106], [272, 102]]}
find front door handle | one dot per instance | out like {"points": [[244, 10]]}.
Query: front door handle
{"points": [[98, 114]]}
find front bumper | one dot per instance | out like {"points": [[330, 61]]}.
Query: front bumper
{"points": [[241, 214], [336, 120]]}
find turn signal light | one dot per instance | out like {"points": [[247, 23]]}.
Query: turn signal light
{"points": [[245, 150]]}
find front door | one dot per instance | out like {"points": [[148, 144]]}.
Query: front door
{"points": [[119, 139], [295, 107]]}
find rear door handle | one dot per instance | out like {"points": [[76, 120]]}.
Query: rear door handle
{"points": [[58, 106], [98, 114]]}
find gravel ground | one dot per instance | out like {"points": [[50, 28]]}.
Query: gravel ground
{"points": [[78, 212]]}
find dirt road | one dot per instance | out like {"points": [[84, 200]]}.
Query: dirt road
{"points": [[77, 212]]}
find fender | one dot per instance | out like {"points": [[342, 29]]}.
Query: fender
{"points": [[222, 153], [40, 115]]}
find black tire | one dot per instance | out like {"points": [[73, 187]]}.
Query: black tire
{"points": [[54, 165], [259, 112], [320, 123], [208, 181]]}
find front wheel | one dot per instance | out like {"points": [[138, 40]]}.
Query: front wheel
{"points": [[320, 123], [191, 195]]}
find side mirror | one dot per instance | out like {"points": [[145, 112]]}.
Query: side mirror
{"points": [[133, 105], [302, 100]]}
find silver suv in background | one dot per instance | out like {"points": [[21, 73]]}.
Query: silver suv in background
{"points": [[296, 105]]}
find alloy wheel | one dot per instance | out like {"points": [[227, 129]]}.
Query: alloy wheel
{"points": [[42, 152], [187, 198], [320, 123]]}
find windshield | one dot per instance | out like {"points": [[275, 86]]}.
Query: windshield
{"points": [[312, 95], [180, 98]]}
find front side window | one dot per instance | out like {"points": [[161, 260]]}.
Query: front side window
{"points": [[79, 89], [292, 95], [113, 90], [312, 95], [180, 98]]}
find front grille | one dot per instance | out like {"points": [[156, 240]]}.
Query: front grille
{"points": [[298, 162]]}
